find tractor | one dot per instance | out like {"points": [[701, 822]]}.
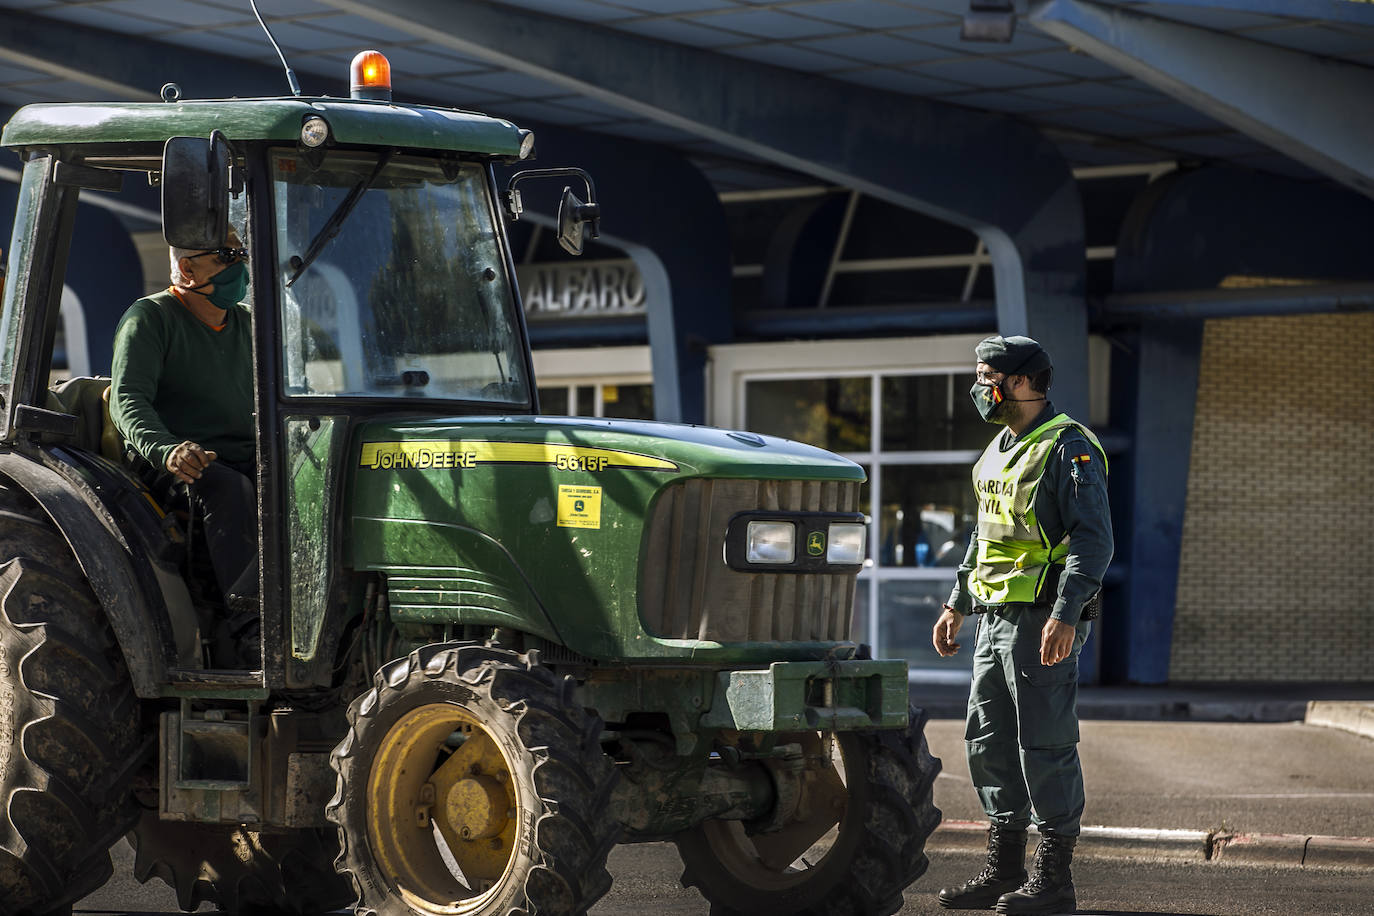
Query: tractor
{"points": [[493, 644]]}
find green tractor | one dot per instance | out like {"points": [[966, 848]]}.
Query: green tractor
{"points": [[493, 644]]}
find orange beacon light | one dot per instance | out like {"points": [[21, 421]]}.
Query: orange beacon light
{"points": [[370, 76]]}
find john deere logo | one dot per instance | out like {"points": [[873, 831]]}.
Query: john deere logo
{"points": [[815, 544]]}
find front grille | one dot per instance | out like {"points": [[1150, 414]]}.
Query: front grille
{"points": [[687, 591]]}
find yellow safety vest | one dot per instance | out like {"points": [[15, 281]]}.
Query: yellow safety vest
{"points": [[1014, 555]]}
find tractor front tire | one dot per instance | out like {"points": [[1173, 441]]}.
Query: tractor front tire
{"points": [[471, 783], [860, 867], [70, 736]]}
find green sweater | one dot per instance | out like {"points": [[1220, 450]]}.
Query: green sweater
{"points": [[175, 379]]}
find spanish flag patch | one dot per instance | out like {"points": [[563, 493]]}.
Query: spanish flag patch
{"points": [[1083, 458]]}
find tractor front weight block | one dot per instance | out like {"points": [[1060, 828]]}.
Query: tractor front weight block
{"points": [[827, 696]]}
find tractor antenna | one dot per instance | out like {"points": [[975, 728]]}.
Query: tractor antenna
{"points": [[290, 74]]}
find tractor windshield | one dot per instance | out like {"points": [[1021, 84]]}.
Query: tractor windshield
{"points": [[392, 280]]}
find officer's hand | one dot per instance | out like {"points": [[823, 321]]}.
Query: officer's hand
{"points": [[1056, 642], [946, 628], [188, 461]]}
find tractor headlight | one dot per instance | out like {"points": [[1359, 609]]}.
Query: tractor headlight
{"points": [[771, 542], [526, 143], [314, 132], [845, 544]]}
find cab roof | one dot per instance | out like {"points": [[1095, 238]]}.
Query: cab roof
{"points": [[350, 121]]}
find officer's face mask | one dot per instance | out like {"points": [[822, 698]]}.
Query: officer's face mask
{"points": [[988, 398]]}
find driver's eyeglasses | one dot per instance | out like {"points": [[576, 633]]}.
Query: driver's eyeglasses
{"points": [[989, 378], [225, 256]]}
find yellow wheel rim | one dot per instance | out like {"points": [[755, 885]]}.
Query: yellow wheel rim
{"points": [[443, 810]]}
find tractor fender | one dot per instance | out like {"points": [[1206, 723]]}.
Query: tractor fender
{"points": [[107, 562]]}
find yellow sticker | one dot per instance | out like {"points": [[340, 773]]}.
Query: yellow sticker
{"points": [[579, 507]]}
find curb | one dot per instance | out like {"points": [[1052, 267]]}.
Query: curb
{"points": [[1275, 849], [1356, 717]]}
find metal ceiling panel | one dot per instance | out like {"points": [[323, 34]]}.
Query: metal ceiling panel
{"points": [[1348, 41], [877, 48], [985, 72], [947, 36], [1110, 123], [776, 25], [1095, 94], [679, 31], [1069, 63], [1223, 20], [673, 6], [1001, 100], [908, 82], [790, 57], [101, 18], [181, 12], [873, 14], [584, 10]]}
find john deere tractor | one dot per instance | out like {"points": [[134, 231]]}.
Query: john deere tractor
{"points": [[493, 644]]}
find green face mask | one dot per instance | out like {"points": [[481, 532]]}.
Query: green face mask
{"points": [[989, 400], [230, 286]]}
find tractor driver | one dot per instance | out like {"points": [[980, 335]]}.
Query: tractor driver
{"points": [[181, 395]]}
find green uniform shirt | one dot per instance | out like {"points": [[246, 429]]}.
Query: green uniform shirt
{"points": [[175, 378], [1072, 500]]}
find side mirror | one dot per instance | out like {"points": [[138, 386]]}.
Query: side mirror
{"points": [[195, 191], [575, 217]]}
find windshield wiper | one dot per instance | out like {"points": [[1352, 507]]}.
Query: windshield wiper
{"points": [[336, 220]]}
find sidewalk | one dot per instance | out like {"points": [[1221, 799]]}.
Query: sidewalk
{"points": [[1253, 775], [1238, 702]]}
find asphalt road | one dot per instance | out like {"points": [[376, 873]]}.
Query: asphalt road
{"points": [[1271, 778], [646, 885]]}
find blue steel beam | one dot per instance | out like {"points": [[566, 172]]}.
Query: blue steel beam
{"points": [[989, 173], [1311, 108]]}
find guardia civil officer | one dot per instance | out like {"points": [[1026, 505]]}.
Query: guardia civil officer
{"points": [[1035, 565]]}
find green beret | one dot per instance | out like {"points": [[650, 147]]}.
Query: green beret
{"points": [[1013, 355]]}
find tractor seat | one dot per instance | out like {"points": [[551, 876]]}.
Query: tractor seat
{"points": [[88, 399]]}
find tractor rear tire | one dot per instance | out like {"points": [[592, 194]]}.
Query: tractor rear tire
{"points": [[70, 735], [867, 860], [289, 873], [471, 783]]}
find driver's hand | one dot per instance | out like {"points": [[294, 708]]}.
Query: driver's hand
{"points": [[188, 461]]}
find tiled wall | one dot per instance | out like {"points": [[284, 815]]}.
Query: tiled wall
{"points": [[1277, 573]]}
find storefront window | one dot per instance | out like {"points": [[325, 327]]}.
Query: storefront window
{"points": [[927, 514], [625, 402], [628, 402], [834, 413], [930, 413]]}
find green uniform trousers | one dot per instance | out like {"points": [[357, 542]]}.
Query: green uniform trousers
{"points": [[1022, 732]]}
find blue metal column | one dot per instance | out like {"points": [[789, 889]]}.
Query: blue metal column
{"points": [[989, 173], [1313, 109]]}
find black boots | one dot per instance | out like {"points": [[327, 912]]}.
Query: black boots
{"points": [[1005, 871], [1050, 888]]}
